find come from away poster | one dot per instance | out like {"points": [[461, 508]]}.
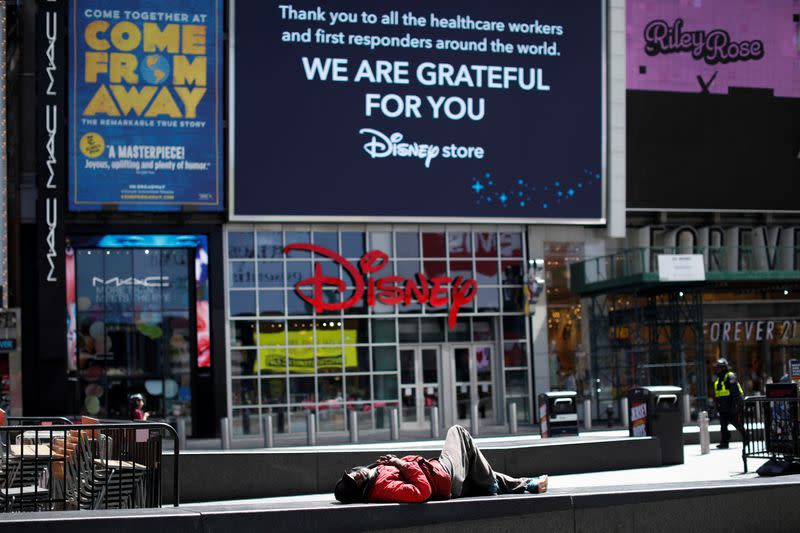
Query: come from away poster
{"points": [[145, 105]]}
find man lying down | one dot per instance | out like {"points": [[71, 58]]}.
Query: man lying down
{"points": [[461, 470]]}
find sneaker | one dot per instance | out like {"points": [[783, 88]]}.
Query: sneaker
{"points": [[723, 446], [537, 485]]}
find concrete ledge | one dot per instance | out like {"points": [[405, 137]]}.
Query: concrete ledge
{"points": [[164, 520], [684, 507], [747, 505], [553, 513], [233, 475]]}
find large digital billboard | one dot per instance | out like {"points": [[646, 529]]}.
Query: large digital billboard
{"points": [[145, 107], [445, 110], [710, 46], [713, 105]]}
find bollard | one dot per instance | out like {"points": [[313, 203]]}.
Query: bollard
{"points": [[512, 418], [705, 440], [181, 429], [587, 414], [624, 414], [225, 432], [687, 408], [394, 424], [435, 422], [473, 420], [266, 422], [353, 415], [311, 428]]}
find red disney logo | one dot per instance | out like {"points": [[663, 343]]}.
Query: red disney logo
{"points": [[389, 290]]}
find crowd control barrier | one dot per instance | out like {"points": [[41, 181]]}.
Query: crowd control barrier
{"points": [[85, 466], [771, 425], [36, 420]]}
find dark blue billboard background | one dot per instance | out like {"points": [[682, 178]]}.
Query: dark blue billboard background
{"points": [[419, 109], [145, 108]]}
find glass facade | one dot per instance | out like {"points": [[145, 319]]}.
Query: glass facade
{"points": [[675, 338], [135, 329], [288, 358], [568, 361], [758, 343]]}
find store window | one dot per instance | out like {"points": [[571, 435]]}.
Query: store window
{"points": [[758, 331], [138, 322], [568, 363], [135, 326]]}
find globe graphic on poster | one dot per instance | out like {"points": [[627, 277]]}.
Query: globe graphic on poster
{"points": [[154, 69]]}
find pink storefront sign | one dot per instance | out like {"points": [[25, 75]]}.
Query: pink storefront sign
{"points": [[697, 46]]}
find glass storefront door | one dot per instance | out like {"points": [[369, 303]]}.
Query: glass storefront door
{"points": [[471, 370], [419, 384]]}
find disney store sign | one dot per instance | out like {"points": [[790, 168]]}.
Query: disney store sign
{"points": [[437, 291]]}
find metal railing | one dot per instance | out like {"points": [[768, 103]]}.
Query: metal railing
{"points": [[84, 466], [37, 420], [716, 259], [771, 429]]}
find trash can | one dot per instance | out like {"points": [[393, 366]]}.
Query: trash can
{"points": [[658, 412], [781, 419], [558, 413]]}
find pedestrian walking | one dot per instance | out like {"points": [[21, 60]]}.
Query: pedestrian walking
{"points": [[729, 396]]}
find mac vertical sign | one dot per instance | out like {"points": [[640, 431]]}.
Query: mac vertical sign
{"points": [[51, 63]]}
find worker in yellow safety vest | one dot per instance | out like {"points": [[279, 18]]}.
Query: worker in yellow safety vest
{"points": [[729, 395]]}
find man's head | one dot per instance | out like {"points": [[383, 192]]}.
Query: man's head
{"points": [[137, 399], [721, 365], [350, 489]]}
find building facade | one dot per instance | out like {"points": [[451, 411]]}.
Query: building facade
{"points": [[288, 357], [301, 280], [712, 148]]}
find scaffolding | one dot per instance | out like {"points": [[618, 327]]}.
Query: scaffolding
{"points": [[646, 336]]}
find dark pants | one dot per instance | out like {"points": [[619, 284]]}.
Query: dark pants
{"points": [[469, 470], [734, 418]]}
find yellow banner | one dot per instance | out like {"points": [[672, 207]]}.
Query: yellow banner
{"points": [[273, 359]]}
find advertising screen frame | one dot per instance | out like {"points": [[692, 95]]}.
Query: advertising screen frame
{"points": [[215, 134], [231, 159], [728, 98], [198, 242]]}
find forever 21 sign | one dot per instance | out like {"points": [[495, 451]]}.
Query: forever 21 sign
{"points": [[388, 290]]}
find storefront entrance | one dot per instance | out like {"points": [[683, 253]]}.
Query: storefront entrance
{"points": [[420, 387], [453, 379], [289, 358], [471, 383], [138, 322], [136, 328]]}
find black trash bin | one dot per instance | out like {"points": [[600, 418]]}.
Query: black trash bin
{"points": [[558, 413], [658, 412]]}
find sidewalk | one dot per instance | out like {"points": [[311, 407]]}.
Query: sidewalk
{"points": [[719, 465], [380, 439]]}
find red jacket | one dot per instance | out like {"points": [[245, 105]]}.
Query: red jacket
{"points": [[418, 481]]}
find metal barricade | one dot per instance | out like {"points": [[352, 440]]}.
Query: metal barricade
{"points": [[37, 420], [771, 429], [84, 466]]}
